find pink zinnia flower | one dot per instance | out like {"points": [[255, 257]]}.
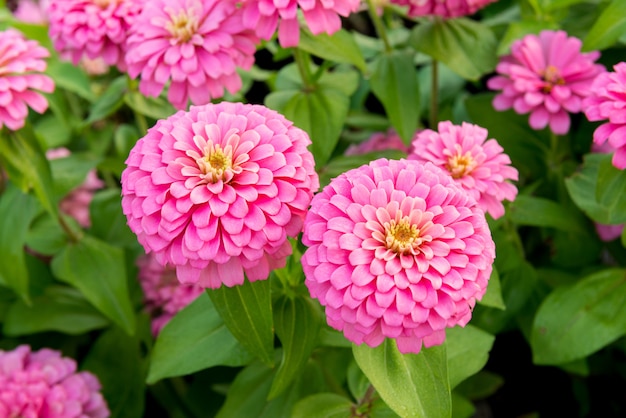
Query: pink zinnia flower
{"points": [[216, 191], [321, 16], [476, 164], [607, 102], [164, 296], [21, 79], [92, 28], [547, 76], [36, 384], [32, 11], [443, 8], [195, 45], [379, 141], [396, 250]]}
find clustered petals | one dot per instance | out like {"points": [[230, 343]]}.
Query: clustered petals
{"points": [[443, 8], [547, 76], [396, 250], [35, 384], [478, 165], [216, 191]]}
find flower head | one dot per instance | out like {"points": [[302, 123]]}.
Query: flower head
{"points": [[321, 16], [92, 28], [216, 191], [396, 250], [443, 8], [41, 383], [21, 79], [194, 45], [379, 141], [547, 76], [476, 164]]}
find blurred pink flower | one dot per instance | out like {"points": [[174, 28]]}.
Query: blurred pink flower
{"points": [[32, 11], [476, 164], [547, 76], [216, 191], [607, 102], [443, 8], [21, 79], [379, 141], [164, 296], [606, 232], [396, 250], [195, 45], [321, 16], [36, 384]]}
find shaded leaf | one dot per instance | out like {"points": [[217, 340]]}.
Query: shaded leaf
{"points": [[608, 28]]}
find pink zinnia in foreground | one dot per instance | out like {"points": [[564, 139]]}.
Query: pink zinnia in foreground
{"points": [[379, 141], [216, 191], [194, 45], [21, 79], [164, 296], [396, 250], [36, 384], [92, 29], [321, 16], [443, 8], [607, 102], [547, 76], [476, 164]]}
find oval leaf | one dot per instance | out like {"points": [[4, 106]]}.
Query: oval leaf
{"points": [[608, 27], [323, 405], [338, 47], [538, 211], [468, 350]]}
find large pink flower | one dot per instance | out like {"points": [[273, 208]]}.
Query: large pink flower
{"points": [[216, 191], [396, 250], [443, 8], [21, 79], [547, 76], [194, 45], [322, 16], [478, 165], [92, 28], [36, 384]]}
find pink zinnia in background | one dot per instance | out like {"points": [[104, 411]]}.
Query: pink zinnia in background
{"points": [[396, 250], [478, 165], [443, 8], [321, 16], [216, 191], [195, 46], [379, 141], [32, 11], [92, 28], [164, 295], [607, 102], [42, 383], [547, 76]]}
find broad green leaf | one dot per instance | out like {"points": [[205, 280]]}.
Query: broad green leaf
{"points": [[53, 130], [46, 236], [538, 211], [462, 407], [97, 269], [558, 4], [413, 385], [70, 77], [480, 386], [71, 171], [111, 100], [193, 340], [156, 108], [493, 295], [575, 321], [357, 381], [468, 351], [247, 312], [108, 221], [608, 27], [339, 47], [125, 138], [323, 405]]}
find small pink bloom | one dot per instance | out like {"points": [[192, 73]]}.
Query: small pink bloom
{"points": [[21, 80], [476, 164], [379, 141], [216, 191], [443, 8], [92, 28], [36, 384], [321, 16], [547, 76], [32, 11], [194, 45], [396, 250]]}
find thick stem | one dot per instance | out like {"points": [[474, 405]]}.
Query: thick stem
{"points": [[381, 31], [302, 60]]}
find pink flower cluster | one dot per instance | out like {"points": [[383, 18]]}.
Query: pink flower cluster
{"points": [[443, 8], [379, 141], [396, 250], [42, 384], [216, 191]]}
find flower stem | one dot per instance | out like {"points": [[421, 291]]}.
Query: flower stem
{"points": [[378, 25], [302, 60], [434, 95], [73, 236]]}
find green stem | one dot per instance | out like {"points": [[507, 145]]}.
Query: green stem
{"points": [[379, 25], [434, 95], [303, 61], [72, 235]]}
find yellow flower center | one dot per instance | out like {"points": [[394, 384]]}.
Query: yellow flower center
{"points": [[182, 26], [402, 237], [216, 164], [552, 77], [460, 165]]}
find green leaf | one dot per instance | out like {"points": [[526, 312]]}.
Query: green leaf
{"points": [[193, 340], [339, 47], [70, 77], [71, 171], [323, 405], [156, 108], [247, 312], [468, 351], [608, 28], [480, 386], [462, 407], [97, 269], [517, 30], [575, 321], [548, 5], [493, 295], [125, 138], [413, 385], [108, 220], [466, 46], [111, 100], [538, 211], [46, 236], [394, 82]]}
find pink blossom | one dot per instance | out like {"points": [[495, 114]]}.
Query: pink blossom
{"points": [[478, 165], [396, 250], [92, 28], [379, 141], [32, 11], [195, 45], [443, 8], [164, 296], [321, 16], [21, 79], [547, 76], [216, 191], [607, 102], [36, 384]]}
